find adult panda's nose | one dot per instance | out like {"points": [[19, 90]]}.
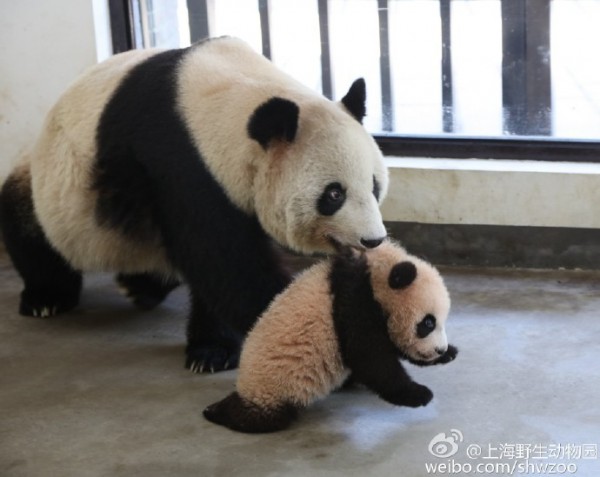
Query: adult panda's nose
{"points": [[371, 243]]}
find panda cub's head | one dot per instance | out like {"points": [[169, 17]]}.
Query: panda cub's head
{"points": [[414, 299], [323, 178]]}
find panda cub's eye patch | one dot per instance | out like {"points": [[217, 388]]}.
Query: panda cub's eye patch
{"points": [[426, 326], [332, 199]]}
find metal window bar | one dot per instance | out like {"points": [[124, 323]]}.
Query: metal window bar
{"points": [[447, 95], [121, 23], [326, 81], [265, 27], [199, 17], [526, 81], [387, 110]]}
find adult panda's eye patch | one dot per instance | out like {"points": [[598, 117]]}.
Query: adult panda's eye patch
{"points": [[426, 326], [332, 199], [376, 188]]}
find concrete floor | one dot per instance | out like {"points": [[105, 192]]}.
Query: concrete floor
{"points": [[102, 392]]}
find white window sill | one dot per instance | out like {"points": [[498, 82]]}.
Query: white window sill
{"points": [[493, 192]]}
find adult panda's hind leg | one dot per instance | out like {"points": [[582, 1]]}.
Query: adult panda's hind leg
{"points": [[146, 290], [51, 285]]}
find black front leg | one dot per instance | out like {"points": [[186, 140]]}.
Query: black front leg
{"points": [[211, 345], [378, 368], [222, 253]]}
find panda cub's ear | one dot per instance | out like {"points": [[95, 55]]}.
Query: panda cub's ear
{"points": [[402, 275], [355, 100], [275, 119]]}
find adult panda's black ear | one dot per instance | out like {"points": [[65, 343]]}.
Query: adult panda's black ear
{"points": [[402, 275], [355, 99], [275, 119]]}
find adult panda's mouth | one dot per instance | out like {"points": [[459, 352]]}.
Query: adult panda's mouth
{"points": [[340, 247]]}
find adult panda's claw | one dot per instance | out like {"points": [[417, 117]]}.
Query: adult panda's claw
{"points": [[212, 358]]}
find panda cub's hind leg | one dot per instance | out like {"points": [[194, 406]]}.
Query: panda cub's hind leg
{"points": [[146, 290], [241, 415], [51, 285]]}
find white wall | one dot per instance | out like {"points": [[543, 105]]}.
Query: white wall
{"points": [[45, 44]]}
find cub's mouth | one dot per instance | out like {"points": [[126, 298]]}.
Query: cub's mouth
{"points": [[417, 358], [426, 357]]}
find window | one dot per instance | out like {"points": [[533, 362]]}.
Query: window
{"points": [[445, 78]]}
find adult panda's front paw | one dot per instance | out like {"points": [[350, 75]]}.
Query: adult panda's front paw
{"points": [[47, 303], [211, 358]]}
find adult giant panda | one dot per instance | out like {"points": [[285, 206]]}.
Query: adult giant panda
{"points": [[184, 164], [354, 315]]}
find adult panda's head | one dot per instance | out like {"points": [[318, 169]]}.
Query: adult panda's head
{"points": [[415, 301], [323, 177]]}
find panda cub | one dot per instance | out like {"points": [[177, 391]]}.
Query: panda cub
{"points": [[352, 316]]}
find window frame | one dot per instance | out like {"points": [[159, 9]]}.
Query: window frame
{"points": [[445, 145]]}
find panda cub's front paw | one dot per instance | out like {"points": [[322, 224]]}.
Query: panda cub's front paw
{"points": [[449, 355], [415, 395]]}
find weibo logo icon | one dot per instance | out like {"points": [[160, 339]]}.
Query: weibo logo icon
{"points": [[443, 446]]}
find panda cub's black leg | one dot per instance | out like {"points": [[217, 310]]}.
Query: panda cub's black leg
{"points": [[146, 290], [212, 345], [241, 415], [51, 285]]}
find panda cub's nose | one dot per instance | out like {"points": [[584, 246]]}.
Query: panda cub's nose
{"points": [[371, 243]]}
